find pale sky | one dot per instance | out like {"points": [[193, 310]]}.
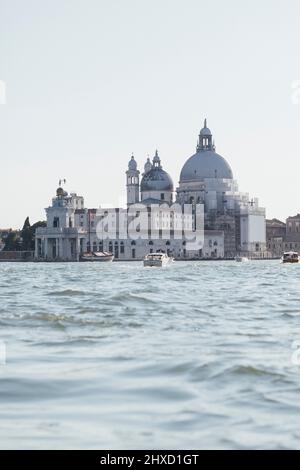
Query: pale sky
{"points": [[88, 82]]}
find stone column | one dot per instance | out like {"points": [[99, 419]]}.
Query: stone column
{"points": [[77, 247], [46, 248], [36, 254], [62, 254]]}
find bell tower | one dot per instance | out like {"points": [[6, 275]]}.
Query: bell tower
{"points": [[133, 183]]}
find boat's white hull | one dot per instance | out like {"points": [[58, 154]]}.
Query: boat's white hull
{"points": [[153, 264], [290, 261], [148, 263], [290, 257], [97, 258]]}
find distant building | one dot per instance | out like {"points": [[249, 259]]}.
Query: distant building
{"points": [[232, 222], [283, 236], [275, 234], [292, 239]]}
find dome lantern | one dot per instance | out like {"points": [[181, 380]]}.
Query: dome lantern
{"points": [[156, 160], [148, 166], [205, 141]]}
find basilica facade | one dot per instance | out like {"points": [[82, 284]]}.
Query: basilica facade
{"points": [[227, 222]]}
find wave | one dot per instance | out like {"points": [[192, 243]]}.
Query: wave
{"points": [[66, 293]]}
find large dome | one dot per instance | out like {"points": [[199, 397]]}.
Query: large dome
{"points": [[206, 163]]}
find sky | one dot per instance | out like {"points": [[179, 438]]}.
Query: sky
{"points": [[88, 82]]}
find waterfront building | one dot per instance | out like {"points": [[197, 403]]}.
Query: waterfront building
{"points": [[283, 236], [275, 234], [292, 238], [232, 222]]}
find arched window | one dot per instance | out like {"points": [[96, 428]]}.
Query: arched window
{"points": [[133, 243], [151, 243]]}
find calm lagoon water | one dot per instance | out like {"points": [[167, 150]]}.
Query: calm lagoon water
{"points": [[196, 355]]}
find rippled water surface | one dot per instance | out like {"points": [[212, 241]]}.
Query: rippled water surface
{"points": [[196, 355]]}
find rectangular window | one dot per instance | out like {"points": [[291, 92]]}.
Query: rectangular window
{"points": [[56, 222]]}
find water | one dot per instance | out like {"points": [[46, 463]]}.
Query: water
{"points": [[196, 355]]}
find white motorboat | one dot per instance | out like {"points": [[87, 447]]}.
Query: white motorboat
{"points": [[241, 259], [157, 260], [290, 257], [97, 256]]}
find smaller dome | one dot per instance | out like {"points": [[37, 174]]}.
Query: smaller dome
{"points": [[156, 179], [205, 132], [60, 192], [132, 165]]}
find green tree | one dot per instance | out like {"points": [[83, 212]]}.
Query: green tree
{"points": [[12, 242], [26, 236], [25, 242]]}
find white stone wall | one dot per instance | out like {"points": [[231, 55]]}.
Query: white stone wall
{"points": [[253, 231], [163, 196]]}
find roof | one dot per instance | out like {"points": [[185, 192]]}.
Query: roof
{"points": [[205, 164], [274, 222], [157, 179]]}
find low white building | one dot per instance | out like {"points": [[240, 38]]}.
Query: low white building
{"points": [[72, 231]]}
